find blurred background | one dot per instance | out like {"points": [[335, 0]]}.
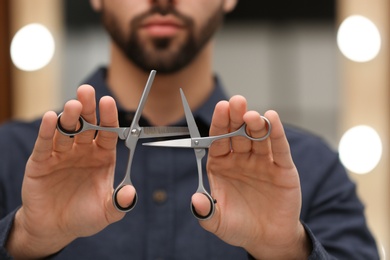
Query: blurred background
{"points": [[323, 65]]}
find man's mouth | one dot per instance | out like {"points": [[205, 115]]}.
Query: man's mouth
{"points": [[161, 26]]}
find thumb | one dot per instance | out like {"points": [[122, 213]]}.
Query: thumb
{"points": [[203, 206], [206, 211], [125, 199]]}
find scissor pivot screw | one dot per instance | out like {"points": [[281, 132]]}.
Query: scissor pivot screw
{"points": [[134, 131], [196, 142]]}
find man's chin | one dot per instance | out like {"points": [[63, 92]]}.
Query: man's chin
{"points": [[162, 62]]}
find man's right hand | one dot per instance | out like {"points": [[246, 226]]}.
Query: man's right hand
{"points": [[68, 183]]}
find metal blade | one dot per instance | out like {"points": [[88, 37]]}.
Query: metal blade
{"points": [[178, 143], [163, 131], [194, 131], [142, 101], [135, 129]]}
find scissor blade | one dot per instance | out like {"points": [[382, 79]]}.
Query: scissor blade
{"points": [[178, 143], [144, 96], [133, 136], [194, 131], [163, 131]]}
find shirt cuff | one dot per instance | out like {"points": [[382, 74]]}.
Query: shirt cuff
{"points": [[318, 251], [5, 227]]}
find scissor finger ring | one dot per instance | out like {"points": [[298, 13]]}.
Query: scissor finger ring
{"points": [[116, 203], [70, 133], [262, 138], [212, 208]]}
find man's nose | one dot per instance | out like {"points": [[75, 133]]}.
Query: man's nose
{"points": [[163, 3]]}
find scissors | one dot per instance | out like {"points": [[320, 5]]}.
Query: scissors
{"points": [[130, 135], [199, 144]]}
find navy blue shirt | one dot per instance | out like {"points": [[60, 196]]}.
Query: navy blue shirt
{"points": [[161, 225]]}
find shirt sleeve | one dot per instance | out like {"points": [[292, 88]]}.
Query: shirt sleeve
{"points": [[318, 251], [332, 212], [5, 227]]}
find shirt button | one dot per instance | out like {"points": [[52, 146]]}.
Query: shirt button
{"points": [[160, 196]]}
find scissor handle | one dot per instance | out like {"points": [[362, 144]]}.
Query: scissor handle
{"points": [[205, 142], [242, 131], [85, 126], [70, 133], [126, 180], [199, 154], [116, 203], [212, 208], [269, 128]]}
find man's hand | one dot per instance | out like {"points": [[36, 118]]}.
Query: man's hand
{"points": [[256, 186], [68, 183]]}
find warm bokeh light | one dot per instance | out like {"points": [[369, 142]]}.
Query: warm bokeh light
{"points": [[32, 47], [360, 149], [359, 39]]}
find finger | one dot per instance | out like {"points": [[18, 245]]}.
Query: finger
{"points": [[125, 197], [44, 144], [257, 127], [279, 144], [201, 204], [108, 117], [69, 120], [220, 125], [86, 96], [238, 107]]}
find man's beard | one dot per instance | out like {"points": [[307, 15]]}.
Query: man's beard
{"points": [[162, 57]]}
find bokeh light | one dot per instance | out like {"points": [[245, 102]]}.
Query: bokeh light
{"points": [[32, 47], [360, 149], [359, 39]]}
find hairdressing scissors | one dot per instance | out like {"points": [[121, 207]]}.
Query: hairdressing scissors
{"points": [[199, 144], [130, 135]]}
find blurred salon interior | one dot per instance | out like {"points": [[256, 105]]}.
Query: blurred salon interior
{"points": [[323, 65]]}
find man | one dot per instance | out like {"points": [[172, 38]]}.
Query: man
{"points": [[284, 198]]}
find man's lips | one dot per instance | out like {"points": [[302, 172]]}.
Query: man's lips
{"points": [[158, 26]]}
